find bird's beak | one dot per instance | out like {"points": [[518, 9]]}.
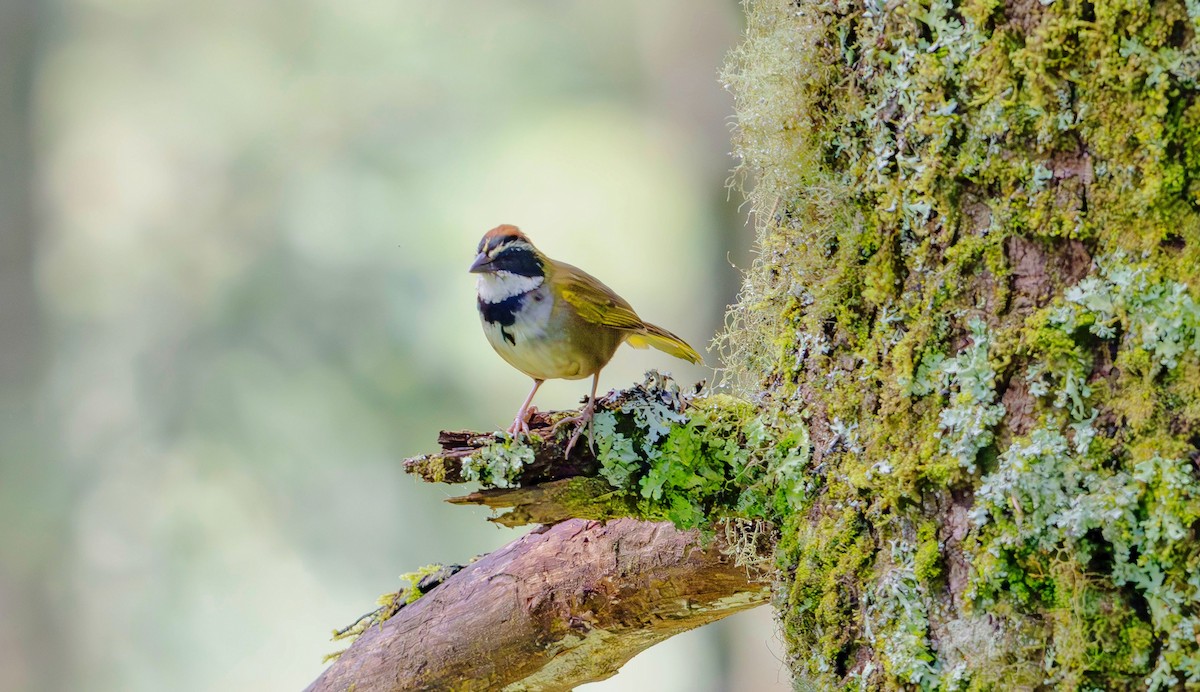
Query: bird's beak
{"points": [[481, 264]]}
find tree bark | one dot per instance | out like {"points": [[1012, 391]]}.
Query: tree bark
{"points": [[550, 611], [980, 226]]}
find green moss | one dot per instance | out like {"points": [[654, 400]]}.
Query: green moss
{"points": [[927, 562], [593, 498], [825, 558], [1098, 640]]}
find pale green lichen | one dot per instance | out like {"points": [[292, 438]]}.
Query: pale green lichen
{"points": [[1159, 316], [897, 620], [499, 464], [966, 425], [1126, 518]]}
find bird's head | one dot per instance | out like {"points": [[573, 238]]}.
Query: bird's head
{"points": [[506, 250]]}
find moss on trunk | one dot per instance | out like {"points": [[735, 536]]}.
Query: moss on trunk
{"points": [[980, 228]]}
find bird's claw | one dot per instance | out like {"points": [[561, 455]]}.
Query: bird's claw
{"points": [[584, 421], [575, 438], [520, 426]]}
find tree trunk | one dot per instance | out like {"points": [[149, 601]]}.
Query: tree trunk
{"points": [[980, 228], [26, 464]]}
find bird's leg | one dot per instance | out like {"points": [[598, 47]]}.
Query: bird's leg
{"points": [[584, 419], [521, 424]]}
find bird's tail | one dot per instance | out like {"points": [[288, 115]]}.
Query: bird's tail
{"points": [[664, 341]]}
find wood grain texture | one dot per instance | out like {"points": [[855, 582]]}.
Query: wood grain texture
{"points": [[550, 611]]}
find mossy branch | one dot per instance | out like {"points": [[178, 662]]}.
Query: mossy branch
{"points": [[658, 453], [572, 602], [538, 483]]}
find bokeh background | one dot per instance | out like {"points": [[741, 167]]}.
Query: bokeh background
{"points": [[233, 242]]}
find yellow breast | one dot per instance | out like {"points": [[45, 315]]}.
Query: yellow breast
{"points": [[547, 340]]}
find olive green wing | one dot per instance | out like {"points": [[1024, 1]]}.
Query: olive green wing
{"points": [[598, 304], [594, 301]]}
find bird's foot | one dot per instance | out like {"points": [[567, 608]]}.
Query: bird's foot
{"points": [[584, 421], [520, 426]]}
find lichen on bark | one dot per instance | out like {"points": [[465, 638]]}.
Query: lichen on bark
{"points": [[979, 224], [654, 453]]}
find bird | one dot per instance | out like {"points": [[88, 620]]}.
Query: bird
{"points": [[552, 320]]}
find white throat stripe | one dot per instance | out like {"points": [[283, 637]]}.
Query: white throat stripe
{"points": [[502, 285]]}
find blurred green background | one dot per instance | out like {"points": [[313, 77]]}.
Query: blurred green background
{"points": [[233, 243]]}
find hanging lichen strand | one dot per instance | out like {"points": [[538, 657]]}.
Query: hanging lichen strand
{"points": [[980, 242]]}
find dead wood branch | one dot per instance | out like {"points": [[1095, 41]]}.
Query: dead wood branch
{"points": [[550, 611]]}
